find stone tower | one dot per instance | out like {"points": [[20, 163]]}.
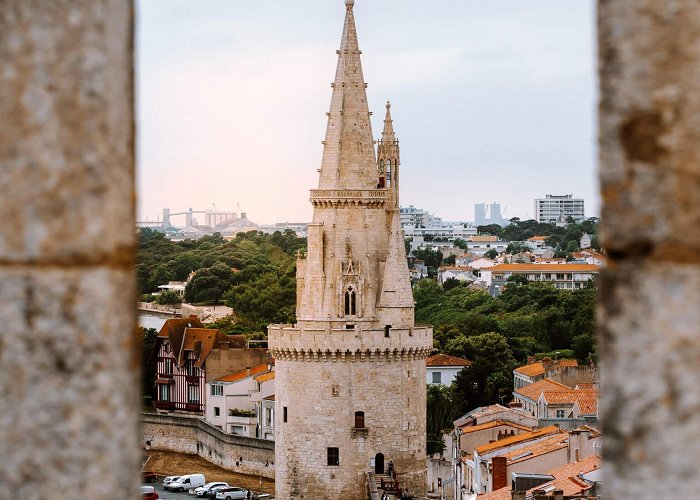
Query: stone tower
{"points": [[350, 375]]}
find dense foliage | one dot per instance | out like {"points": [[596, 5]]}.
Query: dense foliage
{"points": [[498, 334], [564, 240], [254, 274]]}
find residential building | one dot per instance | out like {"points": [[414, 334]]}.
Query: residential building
{"points": [[485, 414], [236, 402], [355, 345], [181, 351], [529, 395], [563, 371], [442, 368], [579, 479], [564, 276], [553, 207], [459, 273], [589, 256]]}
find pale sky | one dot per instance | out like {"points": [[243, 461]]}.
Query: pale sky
{"points": [[492, 100]]}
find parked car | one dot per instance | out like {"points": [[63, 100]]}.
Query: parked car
{"points": [[186, 482], [232, 493], [148, 493], [168, 480], [203, 491], [213, 491]]}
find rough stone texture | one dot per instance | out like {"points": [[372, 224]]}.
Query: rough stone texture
{"points": [[195, 436], [66, 144], [650, 293], [69, 382]]}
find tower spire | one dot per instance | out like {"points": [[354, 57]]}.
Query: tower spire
{"points": [[388, 159], [348, 153]]}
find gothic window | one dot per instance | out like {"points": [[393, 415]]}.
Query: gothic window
{"points": [[350, 301], [388, 173]]}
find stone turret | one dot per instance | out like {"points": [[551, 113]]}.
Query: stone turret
{"points": [[354, 354]]}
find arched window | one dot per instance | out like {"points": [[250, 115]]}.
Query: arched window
{"points": [[350, 301]]}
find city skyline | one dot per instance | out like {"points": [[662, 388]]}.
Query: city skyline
{"points": [[232, 101]]}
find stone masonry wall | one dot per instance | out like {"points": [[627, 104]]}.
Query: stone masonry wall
{"points": [[69, 357], [649, 306], [194, 436]]}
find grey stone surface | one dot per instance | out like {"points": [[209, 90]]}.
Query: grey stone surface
{"points": [[69, 356], [66, 144], [649, 308]]}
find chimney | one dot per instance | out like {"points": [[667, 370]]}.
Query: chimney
{"points": [[531, 360], [547, 364], [247, 370], [518, 495], [558, 494], [499, 466]]}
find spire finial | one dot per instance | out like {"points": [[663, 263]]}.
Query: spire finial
{"points": [[388, 104], [349, 3]]}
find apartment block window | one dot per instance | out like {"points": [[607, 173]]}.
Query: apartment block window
{"points": [[268, 417], [560, 414], [333, 456], [168, 369], [217, 411], [217, 390], [284, 413], [437, 378]]}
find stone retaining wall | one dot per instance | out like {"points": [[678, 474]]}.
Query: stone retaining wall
{"points": [[192, 435]]}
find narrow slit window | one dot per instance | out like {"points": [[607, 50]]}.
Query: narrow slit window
{"points": [[350, 301]]}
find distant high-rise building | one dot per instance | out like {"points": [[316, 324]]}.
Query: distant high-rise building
{"points": [[551, 208], [485, 215]]}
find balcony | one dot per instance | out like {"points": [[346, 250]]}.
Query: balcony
{"points": [[165, 405], [192, 379], [359, 431]]}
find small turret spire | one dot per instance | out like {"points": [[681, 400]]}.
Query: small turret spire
{"points": [[388, 132], [388, 158]]}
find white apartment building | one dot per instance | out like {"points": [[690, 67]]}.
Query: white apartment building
{"points": [[550, 208]]}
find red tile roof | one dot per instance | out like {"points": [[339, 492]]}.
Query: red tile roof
{"points": [[521, 438], [466, 429], [446, 360], [241, 374], [568, 397], [533, 391]]}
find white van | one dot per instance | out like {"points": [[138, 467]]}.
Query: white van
{"points": [[186, 482]]}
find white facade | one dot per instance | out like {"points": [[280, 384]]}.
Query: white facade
{"points": [[443, 375], [235, 403], [550, 208]]}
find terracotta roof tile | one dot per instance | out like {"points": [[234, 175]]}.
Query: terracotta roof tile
{"points": [[531, 370], [542, 447], [533, 391], [489, 425], [587, 406], [487, 448], [265, 377], [567, 397], [446, 360], [241, 374]]}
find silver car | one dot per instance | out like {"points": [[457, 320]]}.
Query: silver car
{"points": [[203, 491], [232, 493]]}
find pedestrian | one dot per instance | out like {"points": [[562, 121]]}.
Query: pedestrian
{"points": [[390, 469]]}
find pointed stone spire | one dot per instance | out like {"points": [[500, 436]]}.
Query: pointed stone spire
{"points": [[388, 159], [388, 132], [348, 153]]}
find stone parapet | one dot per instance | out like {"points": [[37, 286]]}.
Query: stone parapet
{"points": [[292, 342], [376, 198]]}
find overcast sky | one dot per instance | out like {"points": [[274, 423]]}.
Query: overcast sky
{"points": [[492, 100]]}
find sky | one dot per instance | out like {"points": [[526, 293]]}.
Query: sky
{"points": [[492, 101]]}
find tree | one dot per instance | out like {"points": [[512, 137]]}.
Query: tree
{"points": [[460, 243], [491, 254], [450, 260], [432, 258], [490, 375], [440, 413], [517, 247], [169, 297], [209, 284]]}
